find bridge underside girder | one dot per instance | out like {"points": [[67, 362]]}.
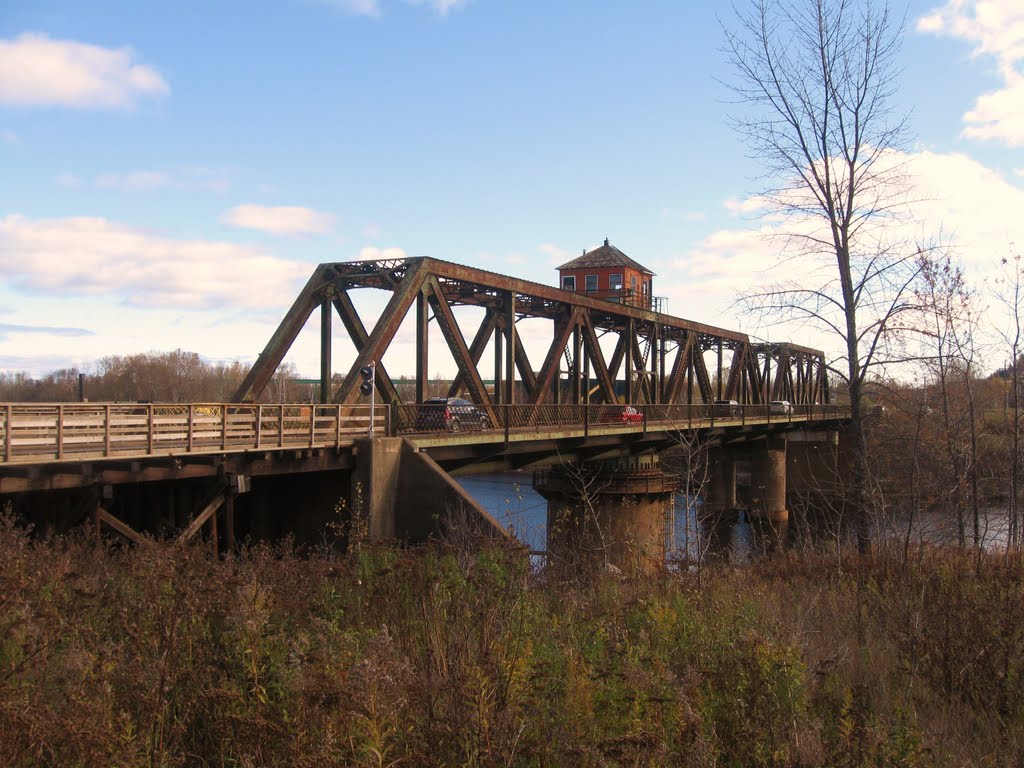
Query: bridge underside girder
{"points": [[657, 359]]}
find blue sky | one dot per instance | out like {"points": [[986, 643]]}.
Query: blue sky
{"points": [[172, 171]]}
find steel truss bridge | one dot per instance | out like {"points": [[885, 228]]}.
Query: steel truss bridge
{"points": [[657, 358], [660, 381]]}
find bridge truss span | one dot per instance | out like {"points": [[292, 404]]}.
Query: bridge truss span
{"points": [[597, 351]]}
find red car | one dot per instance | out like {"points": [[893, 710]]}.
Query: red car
{"points": [[631, 415]]}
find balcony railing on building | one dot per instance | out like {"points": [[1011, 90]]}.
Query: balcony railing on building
{"points": [[631, 298]]}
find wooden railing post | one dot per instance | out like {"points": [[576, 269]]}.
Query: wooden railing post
{"points": [[312, 424], [190, 426], [8, 432], [259, 425], [337, 425], [106, 429], [223, 426], [280, 426], [60, 431], [150, 427]]}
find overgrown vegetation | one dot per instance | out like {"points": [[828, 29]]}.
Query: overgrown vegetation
{"points": [[162, 655]]}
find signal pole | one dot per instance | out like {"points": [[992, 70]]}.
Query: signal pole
{"points": [[368, 387]]}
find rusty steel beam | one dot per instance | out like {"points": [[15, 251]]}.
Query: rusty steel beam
{"points": [[530, 294], [523, 364], [508, 322], [262, 372], [546, 375], [644, 344], [383, 332], [596, 356], [326, 310], [476, 349], [457, 344], [357, 332]]}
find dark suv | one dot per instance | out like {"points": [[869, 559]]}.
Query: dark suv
{"points": [[728, 408], [450, 414]]}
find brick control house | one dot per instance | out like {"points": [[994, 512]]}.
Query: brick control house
{"points": [[608, 273]]}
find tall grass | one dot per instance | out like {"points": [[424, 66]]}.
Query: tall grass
{"points": [[166, 656]]}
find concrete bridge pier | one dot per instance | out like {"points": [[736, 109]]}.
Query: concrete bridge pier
{"points": [[812, 469], [768, 513], [720, 510], [720, 489], [603, 514]]}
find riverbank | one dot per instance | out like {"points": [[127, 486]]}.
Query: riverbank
{"points": [[162, 655]]}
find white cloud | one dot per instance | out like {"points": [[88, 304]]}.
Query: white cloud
{"points": [[556, 255], [188, 179], [96, 257], [996, 28], [69, 181], [372, 8], [46, 330], [354, 7], [670, 215], [279, 219], [136, 181], [974, 207], [373, 253], [440, 7], [38, 71]]}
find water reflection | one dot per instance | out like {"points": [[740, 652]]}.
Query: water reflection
{"points": [[694, 535]]}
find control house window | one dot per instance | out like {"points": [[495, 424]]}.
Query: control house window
{"points": [[569, 283], [615, 282], [591, 284]]}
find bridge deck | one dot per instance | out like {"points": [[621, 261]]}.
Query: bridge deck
{"points": [[32, 434]]}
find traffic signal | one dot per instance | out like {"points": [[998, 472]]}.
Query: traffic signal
{"points": [[368, 373]]}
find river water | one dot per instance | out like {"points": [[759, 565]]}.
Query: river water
{"points": [[510, 498]]}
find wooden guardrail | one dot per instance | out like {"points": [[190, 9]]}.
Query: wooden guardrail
{"points": [[34, 432], [41, 432]]}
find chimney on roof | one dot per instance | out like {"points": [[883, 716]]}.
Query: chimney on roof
{"points": [[606, 241]]}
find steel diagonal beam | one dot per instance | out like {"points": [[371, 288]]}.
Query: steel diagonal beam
{"points": [[357, 332], [678, 376], [703, 379], [779, 388], [737, 366], [457, 344], [523, 364], [640, 370], [547, 371], [266, 364], [476, 349], [756, 379], [383, 332], [618, 355], [597, 358]]}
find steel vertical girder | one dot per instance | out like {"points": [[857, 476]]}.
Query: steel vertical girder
{"points": [[657, 358]]}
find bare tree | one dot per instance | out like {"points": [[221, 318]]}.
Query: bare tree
{"points": [[1009, 291], [816, 79], [950, 321]]}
